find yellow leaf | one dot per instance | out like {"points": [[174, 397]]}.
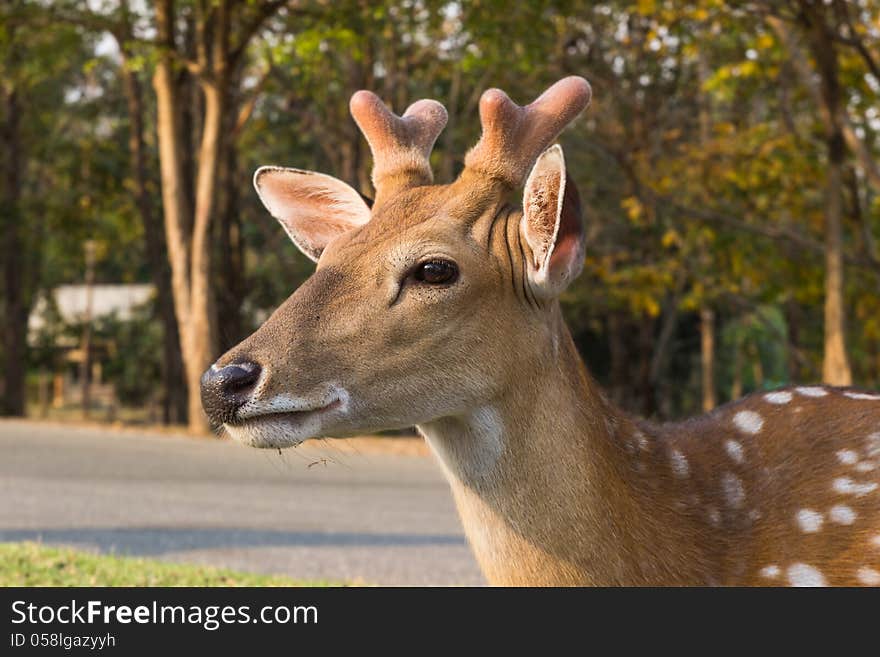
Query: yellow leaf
{"points": [[670, 238], [764, 42], [633, 207], [748, 68]]}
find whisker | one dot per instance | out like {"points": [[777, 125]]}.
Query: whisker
{"points": [[327, 443]]}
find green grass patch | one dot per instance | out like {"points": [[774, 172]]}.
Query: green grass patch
{"points": [[35, 564]]}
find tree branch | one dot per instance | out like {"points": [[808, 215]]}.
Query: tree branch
{"points": [[247, 108], [853, 39], [800, 62], [265, 12]]}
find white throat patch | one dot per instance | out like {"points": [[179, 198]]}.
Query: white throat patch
{"points": [[467, 447]]}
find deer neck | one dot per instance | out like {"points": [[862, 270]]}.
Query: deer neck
{"points": [[547, 490]]}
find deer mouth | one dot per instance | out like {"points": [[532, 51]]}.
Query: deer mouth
{"points": [[283, 421], [283, 408]]}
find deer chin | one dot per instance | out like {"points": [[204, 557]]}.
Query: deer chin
{"points": [[285, 421]]}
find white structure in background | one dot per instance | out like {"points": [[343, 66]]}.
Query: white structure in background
{"points": [[71, 302]]}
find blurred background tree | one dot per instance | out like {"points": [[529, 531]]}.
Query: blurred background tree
{"points": [[728, 164]]}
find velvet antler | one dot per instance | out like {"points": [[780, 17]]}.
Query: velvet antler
{"points": [[401, 146], [513, 136]]}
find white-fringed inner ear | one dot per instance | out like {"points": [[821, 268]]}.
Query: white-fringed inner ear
{"points": [[542, 206], [313, 208], [551, 225]]}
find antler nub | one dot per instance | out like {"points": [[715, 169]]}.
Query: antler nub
{"points": [[513, 136], [401, 146]]}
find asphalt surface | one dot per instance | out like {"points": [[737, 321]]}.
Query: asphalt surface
{"points": [[371, 519]]}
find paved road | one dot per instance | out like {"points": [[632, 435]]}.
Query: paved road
{"points": [[377, 519]]}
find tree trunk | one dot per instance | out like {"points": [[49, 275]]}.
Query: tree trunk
{"points": [[663, 350], [707, 316], [201, 339], [757, 367], [173, 402], [447, 156], [619, 371], [15, 308], [646, 392], [175, 206], [835, 365], [707, 357], [229, 271], [85, 366], [793, 320], [188, 233], [736, 386]]}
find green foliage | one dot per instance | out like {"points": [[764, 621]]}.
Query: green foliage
{"points": [[701, 164], [760, 339], [134, 354]]}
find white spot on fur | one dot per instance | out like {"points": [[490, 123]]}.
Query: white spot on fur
{"points": [[847, 456], [754, 515], [809, 521], [862, 396], [847, 486], [842, 514], [779, 397], [865, 466], [679, 463], [876, 541], [638, 441], [801, 574], [770, 572], [811, 391], [748, 422], [735, 450], [872, 447], [734, 493], [714, 516], [868, 576]]}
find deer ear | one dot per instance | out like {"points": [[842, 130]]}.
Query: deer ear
{"points": [[551, 225], [312, 208]]}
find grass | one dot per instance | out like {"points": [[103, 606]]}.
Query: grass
{"points": [[34, 564]]}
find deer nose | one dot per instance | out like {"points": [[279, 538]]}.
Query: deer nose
{"points": [[226, 389]]}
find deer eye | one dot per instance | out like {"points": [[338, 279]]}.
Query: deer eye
{"points": [[436, 272]]}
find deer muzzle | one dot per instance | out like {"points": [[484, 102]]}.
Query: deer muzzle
{"points": [[226, 389]]}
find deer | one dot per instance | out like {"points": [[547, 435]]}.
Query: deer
{"points": [[437, 306]]}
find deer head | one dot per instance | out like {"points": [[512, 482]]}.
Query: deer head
{"points": [[419, 302]]}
